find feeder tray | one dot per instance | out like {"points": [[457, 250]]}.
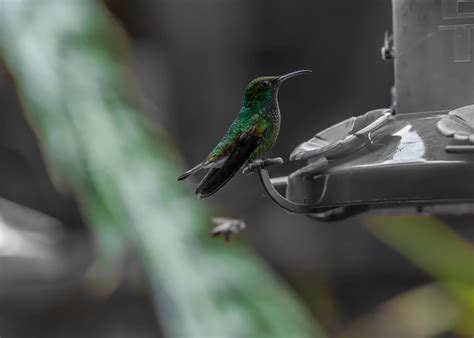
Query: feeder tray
{"points": [[376, 161]]}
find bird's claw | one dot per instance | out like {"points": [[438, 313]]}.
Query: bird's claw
{"points": [[262, 164], [227, 227]]}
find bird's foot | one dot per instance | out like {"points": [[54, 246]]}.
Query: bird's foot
{"points": [[227, 227], [262, 164]]}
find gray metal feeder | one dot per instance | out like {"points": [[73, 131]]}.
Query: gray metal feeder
{"points": [[417, 154]]}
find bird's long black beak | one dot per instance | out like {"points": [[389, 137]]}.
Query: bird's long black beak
{"points": [[287, 76]]}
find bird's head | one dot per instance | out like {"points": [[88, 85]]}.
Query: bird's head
{"points": [[264, 90]]}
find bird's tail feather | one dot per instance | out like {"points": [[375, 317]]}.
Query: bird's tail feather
{"points": [[191, 171], [216, 178]]}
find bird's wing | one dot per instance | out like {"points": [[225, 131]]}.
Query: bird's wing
{"points": [[226, 146], [236, 153], [244, 125]]}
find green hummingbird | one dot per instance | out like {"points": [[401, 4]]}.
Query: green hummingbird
{"points": [[252, 133]]}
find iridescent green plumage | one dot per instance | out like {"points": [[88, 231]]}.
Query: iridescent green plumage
{"points": [[253, 133]]}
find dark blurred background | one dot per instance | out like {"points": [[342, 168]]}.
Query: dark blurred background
{"points": [[192, 60]]}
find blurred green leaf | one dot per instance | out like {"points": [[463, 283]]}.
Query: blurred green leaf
{"points": [[429, 243], [439, 251], [425, 311]]}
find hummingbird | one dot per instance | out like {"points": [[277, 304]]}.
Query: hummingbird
{"points": [[251, 135]]}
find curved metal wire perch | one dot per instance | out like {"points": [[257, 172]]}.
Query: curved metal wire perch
{"points": [[324, 214]]}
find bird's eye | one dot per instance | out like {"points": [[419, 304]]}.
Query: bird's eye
{"points": [[266, 83]]}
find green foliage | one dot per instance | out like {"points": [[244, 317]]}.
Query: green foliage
{"points": [[443, 254], [430, 244]]}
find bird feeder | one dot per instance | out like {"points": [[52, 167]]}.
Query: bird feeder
{"points": [[417, 154]]}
